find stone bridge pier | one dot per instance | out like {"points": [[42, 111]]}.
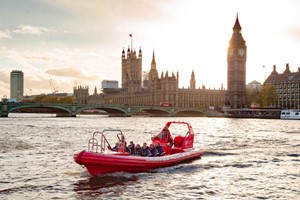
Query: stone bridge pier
{"points": [[4, 110]]}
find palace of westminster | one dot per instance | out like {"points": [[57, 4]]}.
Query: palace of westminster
{"points": [[164, 88]]}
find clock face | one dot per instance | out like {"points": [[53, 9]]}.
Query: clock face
{"points": [[230, 52], [241, 51]]}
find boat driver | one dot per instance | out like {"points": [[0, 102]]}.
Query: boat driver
{"points": [[163, 134]]}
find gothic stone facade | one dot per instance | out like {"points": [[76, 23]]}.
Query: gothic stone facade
{"points": [[80, 95], [236, 68], [156, 89]]}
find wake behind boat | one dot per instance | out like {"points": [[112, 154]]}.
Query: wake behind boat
{"points": [[102, 158]]}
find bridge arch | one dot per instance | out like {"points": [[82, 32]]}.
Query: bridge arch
{"points": [[189, 112], [111, 110], [51, 106], [156, 111]]}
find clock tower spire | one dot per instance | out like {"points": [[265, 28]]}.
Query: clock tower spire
{"points": [[236, 68]]}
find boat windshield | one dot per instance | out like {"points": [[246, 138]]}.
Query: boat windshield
{"points": [[164, 134]]}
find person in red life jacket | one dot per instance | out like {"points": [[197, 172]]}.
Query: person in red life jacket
{"points": [[164, 135], [153, 150], [170, 141], [122, 145], [145, 150]]}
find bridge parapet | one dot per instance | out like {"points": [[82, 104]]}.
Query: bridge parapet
{"points": [[71, 110]]}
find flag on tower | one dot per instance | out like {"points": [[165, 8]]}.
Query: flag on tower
{"points": [[130, 35]]}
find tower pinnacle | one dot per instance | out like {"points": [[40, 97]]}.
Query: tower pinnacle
{"points": [[153, 63], [237, 27]]}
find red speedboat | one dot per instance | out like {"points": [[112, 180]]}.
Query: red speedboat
{"points": [[100, 158]]}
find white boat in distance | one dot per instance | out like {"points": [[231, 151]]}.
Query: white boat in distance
{"points": [[290, 114]]}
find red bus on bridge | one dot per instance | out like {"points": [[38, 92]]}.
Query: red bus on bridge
{"points": [[166, 104]]}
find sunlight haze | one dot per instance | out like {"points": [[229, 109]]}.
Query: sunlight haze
{"points": [[80, 42]]}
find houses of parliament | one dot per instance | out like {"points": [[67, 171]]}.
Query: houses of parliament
{"points": [[155, 88]]}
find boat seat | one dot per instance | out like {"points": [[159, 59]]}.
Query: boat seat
{"points": [[178, 140]]}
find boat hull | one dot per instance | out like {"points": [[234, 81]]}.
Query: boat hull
{"points": [[290, 114], [99, 163]]}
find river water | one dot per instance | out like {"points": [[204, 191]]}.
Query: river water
{"points": [[243, 159]]}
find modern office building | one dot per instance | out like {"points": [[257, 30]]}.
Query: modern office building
{"points": [[110, 84], [16, 84]]}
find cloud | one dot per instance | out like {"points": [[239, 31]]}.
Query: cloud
{"points": [[71, 72], [38, 58], [4, 77], [4, 83], [296, 33], [5, 34], [109, 13], [33, 30]]}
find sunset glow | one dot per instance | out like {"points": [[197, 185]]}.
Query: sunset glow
{"points": [[80, 42]]}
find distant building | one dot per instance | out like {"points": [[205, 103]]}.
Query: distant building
{"points": [[58, 94], [155, 88], [109, 84], [254, 86], [236, 68], [132, 70], [81, 95], [16, 84], [287, 87]]}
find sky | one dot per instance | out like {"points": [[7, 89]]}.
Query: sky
{"points": [[71, 43]]}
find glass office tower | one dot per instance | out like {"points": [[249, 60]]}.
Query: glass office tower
{"points": [[16, 84]]}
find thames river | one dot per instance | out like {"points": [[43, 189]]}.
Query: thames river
{"points": [[243, 159]]}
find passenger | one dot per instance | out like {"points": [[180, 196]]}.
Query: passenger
{"points": [[122, 138], [145, 150], [115, 148], [160, 150], [153, 150], [127, 149], [122, 145], [131, 146], [138, 150]]}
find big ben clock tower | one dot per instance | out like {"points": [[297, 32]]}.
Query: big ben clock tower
{"points": [[236, 68]]}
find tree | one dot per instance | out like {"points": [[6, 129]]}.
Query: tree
{"points": [[268, 96], [251, 96], [53, 99]]}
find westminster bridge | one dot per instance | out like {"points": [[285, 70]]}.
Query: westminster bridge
{"points": [[71, 110]]}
